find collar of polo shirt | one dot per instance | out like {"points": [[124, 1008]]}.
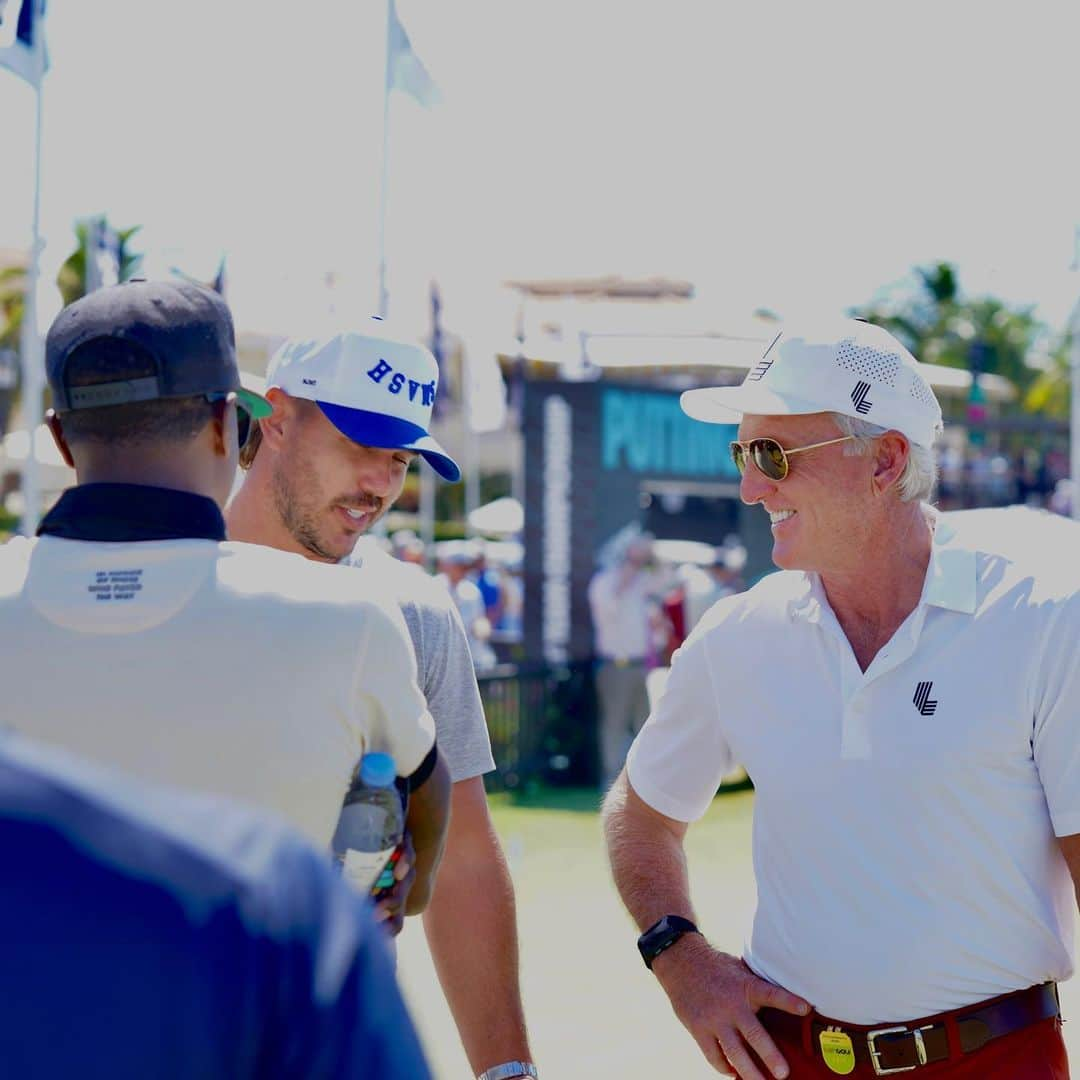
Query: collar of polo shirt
{"points": [[951, 583]]}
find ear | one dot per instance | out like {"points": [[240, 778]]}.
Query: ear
{"points": [[222, 434], [56, 429], [890, 458], [275, 427]]}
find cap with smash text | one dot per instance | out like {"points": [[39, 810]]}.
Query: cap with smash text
{"points": [[376, 388]]}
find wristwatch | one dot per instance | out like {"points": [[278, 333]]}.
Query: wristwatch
{"points": [[508, 1070], [662, 935]]}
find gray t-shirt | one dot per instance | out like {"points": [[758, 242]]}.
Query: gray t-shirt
{"points": [[444, 663]]}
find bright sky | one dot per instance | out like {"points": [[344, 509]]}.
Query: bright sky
{"points": [[783, 156]]}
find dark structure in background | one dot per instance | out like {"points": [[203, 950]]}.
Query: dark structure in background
{"points": [[599, 455]]}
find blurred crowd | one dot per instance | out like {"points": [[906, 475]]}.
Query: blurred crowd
{"points": [[484, 577], [975, 476]]}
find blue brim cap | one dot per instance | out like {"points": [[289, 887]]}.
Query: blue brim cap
{"points": [[390, 433]]}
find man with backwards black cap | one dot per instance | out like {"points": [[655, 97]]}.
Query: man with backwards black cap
{"points": [[906, 704], [351, 411], [141, 638]]}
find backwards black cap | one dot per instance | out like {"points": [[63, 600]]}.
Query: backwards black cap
{"points": [[142, 341]]}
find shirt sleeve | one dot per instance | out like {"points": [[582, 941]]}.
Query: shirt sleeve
{"points": [[448, 680], [602, 606], [1056, 742], [680, 756], [391, 708]]}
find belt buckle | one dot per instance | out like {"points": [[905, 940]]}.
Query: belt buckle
{"points": [[875, 1053]]}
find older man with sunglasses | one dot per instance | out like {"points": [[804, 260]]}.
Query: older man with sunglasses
{"points": [[907, 709]]}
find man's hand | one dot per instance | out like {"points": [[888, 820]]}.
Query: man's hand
{"points": [[391, 908], [426, 821], [716, 997]]}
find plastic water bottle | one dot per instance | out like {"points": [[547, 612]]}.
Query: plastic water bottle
{"points": [[367, 842]]}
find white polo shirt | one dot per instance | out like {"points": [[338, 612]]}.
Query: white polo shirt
{"points": [[225, 667], [905, 818]]}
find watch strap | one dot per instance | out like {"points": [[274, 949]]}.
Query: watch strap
{"points": [[508, 1070], [662, 935]]}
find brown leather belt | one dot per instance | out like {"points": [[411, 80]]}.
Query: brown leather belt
{"points": [[894, 1048]]}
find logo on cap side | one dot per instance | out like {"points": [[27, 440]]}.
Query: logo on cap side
{"points": [[858, 396], [761, 368], [398, 381]]}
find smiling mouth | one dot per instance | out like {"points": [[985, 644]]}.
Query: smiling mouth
{"points": [[360, 513], [777, 516]]}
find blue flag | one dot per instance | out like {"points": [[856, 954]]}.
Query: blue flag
{"points": [[404, 69], [25, 54]]}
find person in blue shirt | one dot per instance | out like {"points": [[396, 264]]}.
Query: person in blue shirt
{"points": [[152, 933]]}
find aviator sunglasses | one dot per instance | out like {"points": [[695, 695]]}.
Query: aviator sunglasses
{"points": [[770, 457]]}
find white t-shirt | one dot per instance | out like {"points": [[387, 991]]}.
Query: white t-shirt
{"points": [[905, 817], [443, 660], [619, 606], [229, 668]]}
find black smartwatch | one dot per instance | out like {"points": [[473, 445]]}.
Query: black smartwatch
{"points": [[662, 935]]}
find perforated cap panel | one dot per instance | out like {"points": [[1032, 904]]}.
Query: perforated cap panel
{"points": [[921, 392], [868, 363]]}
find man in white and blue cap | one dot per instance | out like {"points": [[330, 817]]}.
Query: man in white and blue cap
{"points": [[351, 412]]}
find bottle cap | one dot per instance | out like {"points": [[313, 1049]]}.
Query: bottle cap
{"points": [[377, 769]]}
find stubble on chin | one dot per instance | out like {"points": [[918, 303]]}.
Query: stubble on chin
{"points": [[300, 520]]}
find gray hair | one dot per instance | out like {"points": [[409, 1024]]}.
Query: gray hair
{"points": [[920, 473]]}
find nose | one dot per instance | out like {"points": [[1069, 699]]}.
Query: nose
{"points": [[754, 485], [377, 472]]}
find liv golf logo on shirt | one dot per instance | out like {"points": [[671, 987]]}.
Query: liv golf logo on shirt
{"points": [[923, 702]]}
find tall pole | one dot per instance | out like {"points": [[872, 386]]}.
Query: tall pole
{"points": [[383, 299], [469, 462], [30, 341]]}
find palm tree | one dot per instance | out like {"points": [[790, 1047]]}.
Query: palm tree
{"points": [[1051, 392], [12, 305], [71, 279], [940, 326]]}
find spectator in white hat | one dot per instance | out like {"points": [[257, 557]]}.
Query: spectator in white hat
{"points": [[350, 413], [455, 558], [906, 706]]}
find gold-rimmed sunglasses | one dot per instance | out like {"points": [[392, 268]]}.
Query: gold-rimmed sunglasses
{"points": [[770, 457]]}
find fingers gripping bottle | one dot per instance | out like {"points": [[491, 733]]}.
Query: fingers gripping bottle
{"points": [[367, 842]]}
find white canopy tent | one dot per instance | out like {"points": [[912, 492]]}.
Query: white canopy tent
{"points": [[733, 353]]}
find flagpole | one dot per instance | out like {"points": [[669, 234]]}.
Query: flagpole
{"points": [[383, 297], [472, 477], [30, 340]]}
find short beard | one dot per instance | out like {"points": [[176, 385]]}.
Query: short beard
{"points": [[297, 518]]}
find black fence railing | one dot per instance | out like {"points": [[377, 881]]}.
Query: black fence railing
{"points": [[542, 722]]}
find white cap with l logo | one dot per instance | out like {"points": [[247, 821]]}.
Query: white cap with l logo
{"points": [[849, 366]]}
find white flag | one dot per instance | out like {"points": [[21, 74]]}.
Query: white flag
{"points": [[22, 38], [404, 69]]}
